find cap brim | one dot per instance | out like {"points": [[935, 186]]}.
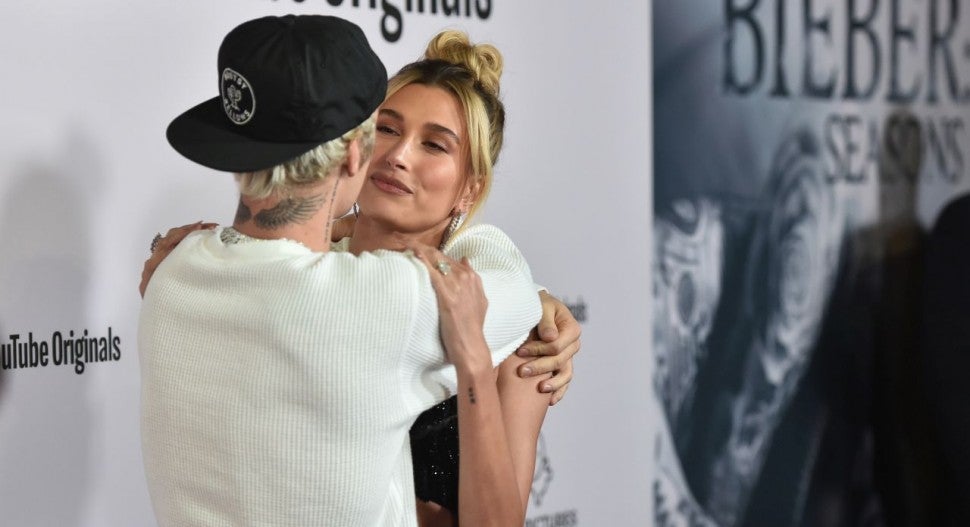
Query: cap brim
{"points": [[205, 135]]}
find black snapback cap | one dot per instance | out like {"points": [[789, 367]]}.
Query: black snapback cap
{"points": [[286, 85]]}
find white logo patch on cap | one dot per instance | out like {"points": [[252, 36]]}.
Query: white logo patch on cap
{"points": [[238, 99]]}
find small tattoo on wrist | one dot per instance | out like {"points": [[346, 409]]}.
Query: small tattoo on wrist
{"points": [[471, 394]]}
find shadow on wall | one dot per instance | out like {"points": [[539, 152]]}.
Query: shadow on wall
{"points": [[905, 454], [3, 373], [865, 394], [45, 273], [945, 360]]}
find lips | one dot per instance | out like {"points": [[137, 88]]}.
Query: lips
{"points": [[390, 185]]}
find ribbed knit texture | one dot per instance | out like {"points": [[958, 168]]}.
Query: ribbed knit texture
{"points": [[278, 384]]}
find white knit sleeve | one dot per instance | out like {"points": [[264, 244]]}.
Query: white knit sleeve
{"points": [[425, 355], [513, 303]]}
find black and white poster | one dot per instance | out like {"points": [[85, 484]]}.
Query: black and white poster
{"points": [[803, 150], [87, 178]]}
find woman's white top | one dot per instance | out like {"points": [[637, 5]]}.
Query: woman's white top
{"points": [[279, 384]]}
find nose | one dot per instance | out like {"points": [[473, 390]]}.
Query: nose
{"points": [[398, 154]]}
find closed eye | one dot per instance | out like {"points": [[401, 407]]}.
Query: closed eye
{"points": [[435, 146]]}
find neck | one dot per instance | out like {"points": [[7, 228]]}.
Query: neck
{"points": [[372, 235], [303, 215]]}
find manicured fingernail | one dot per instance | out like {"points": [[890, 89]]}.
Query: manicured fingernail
{"points": [[526, 371], [522, 352], [545, 388]]}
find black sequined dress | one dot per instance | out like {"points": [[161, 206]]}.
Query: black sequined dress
{"points": [[434, 453]]}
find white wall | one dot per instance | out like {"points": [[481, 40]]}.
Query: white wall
{"points": [[87, 178]]}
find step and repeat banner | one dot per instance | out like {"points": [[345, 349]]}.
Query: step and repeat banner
{"points": [[87, 178], [803, 152]]}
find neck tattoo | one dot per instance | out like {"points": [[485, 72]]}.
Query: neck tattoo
{"points": [[333, 197], [243, 214], [289, 210]]}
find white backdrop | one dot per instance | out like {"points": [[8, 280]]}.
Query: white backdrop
{"points": [[87, 179]]}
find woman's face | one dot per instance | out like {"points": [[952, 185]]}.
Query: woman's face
{"points": [[416, 174]]}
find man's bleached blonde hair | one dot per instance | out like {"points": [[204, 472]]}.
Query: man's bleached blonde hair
{"points": [[310, 167]]}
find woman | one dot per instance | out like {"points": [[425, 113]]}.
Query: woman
{"points": [[442, 119], [419, 131], [439, 133]]}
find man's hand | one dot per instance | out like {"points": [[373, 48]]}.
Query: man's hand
{"points": [[556, 342]]}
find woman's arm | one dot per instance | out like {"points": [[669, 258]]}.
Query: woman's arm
{"points": [[487, 491], [556, 340], [163, 246], [523, 411], [488, 472]]}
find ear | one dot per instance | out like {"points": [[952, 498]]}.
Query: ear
{"points": [[469, 195], [351, 165]]}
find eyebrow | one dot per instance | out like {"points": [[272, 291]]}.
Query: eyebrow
{"points": [[444, 130], [433, 126], [391, 113]]}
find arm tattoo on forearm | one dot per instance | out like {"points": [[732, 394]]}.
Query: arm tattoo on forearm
{"points": [[243, 214], [471, 394], [290, 210]]}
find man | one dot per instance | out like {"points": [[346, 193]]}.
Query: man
{"points": [[279, 380]]}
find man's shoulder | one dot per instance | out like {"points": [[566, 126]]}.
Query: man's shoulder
{"points": [[288, 265]]}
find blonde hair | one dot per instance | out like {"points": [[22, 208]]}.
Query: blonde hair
{"points": [[471, 73], [308, 168]]}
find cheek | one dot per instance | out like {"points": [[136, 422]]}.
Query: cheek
{"points": [[381, 146], [440, 179], [366, 197]]}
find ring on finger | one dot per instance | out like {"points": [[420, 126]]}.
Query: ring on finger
{"points": [[155, 240], [443, 267]]}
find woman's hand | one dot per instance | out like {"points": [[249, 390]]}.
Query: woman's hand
{"points": [[164, 246], [557, 342], [461, 306]]}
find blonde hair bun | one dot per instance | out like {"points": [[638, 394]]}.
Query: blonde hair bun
{"points": [[483, 60]]}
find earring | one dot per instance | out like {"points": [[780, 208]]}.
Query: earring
{"points": [[457, 218], [356, 209]]}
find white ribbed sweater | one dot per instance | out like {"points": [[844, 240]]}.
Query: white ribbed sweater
{"points": [[278, 384]]}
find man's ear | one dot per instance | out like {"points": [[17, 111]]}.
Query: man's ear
{"points": [[352, 165]]}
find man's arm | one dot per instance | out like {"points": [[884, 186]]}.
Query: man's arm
{"points": [[555, 342]]}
